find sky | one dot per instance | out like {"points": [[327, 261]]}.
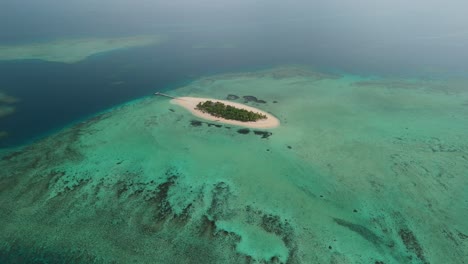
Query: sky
{"points": [[426, 34], [420, 18]]}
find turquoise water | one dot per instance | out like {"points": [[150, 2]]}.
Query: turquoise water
{"points": [[361, 170]]}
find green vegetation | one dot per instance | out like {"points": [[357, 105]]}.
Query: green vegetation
{"points": [[219, 109]]}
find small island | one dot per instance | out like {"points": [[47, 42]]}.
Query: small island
{"points": [[227, 112], [219, 109]]}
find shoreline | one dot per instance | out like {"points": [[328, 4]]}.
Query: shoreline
{"points": [[190, 103]]}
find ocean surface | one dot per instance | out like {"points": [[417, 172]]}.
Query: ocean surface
{"points": [[369, 164]]}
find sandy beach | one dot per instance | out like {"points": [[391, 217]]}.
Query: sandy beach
{"points": [[190, 103]]}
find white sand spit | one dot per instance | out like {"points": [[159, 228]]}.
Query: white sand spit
{"points": [[190, 103]]}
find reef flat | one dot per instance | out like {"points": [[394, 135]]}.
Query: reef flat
{"points": [[361, 170], [74, 50]]}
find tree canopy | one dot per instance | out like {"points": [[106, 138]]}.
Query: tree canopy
{"points": [[219, 109]]}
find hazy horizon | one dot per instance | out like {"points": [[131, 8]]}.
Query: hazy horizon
{"points": [[427, 35]]}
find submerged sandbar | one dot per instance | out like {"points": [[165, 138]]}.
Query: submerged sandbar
{"points": [[190, 103], [75, 49]]}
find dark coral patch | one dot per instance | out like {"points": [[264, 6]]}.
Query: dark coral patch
{"points": [[250, 98], [232, 97], [462, 236], [195, 123], [215, 125], [359, 229], [264, 134], [243, 131], [411, 243]]}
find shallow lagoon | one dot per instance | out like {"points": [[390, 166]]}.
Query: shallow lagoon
{"points": [[362, 170]]}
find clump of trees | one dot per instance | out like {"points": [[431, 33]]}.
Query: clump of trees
{"points": [[219, 109]]}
